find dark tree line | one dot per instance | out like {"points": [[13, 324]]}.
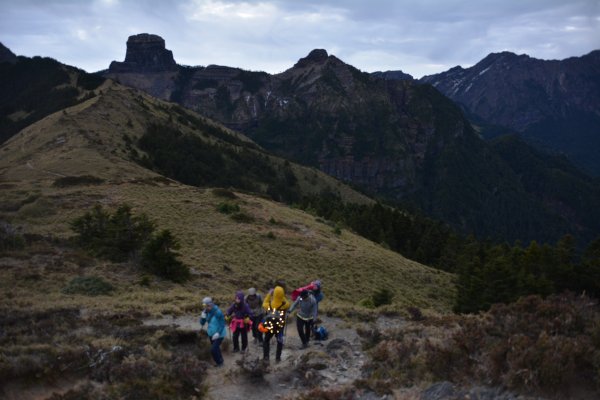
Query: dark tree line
{"points": [[195, 161], [487, 272]]}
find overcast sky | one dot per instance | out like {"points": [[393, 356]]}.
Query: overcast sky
{"points": [[419, 37]]}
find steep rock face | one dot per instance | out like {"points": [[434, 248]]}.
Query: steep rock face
{"points": [[6, 55], [555, 104], [148, 66], [145, 53]]}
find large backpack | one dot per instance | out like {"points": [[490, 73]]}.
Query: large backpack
{"points": [[273, 321]]}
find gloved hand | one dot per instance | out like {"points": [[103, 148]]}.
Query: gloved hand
{"points": [[228, 318], [203, 315], [215, 336], [247, 320]]}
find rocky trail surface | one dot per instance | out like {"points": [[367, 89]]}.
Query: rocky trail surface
{"points": [[336, 361]]}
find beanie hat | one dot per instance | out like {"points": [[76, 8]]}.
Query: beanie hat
{"points": [[251, 291], [207, 301], [304, 294]]}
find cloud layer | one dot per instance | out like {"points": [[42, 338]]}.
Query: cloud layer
{"points": [[419, 37]]}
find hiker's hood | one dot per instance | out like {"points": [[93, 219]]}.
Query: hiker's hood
{"points": [[278, 297], [240, 295]]}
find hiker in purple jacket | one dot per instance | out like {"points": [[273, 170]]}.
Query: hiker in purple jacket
{"points": [[238, 315]]}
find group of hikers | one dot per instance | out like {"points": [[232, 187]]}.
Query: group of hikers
{"points": [[265, 318]]}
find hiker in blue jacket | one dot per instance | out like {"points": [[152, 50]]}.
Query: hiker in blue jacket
{"points": [[216, 328]]}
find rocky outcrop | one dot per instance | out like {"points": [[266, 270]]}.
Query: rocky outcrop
{"points": [[145, 53], [6, 55]]}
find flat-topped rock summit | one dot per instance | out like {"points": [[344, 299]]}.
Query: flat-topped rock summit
{"points": [[145, 53]]}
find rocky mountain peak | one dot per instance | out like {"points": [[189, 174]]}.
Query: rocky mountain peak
{"points": [[316, 56], [6, 55], [145, 53]]}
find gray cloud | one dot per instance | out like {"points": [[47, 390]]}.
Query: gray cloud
{"points": [[418, 36]]}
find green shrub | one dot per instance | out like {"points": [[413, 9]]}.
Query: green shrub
{"points": [[145, 281], [228, 208], [382, 297], [116, 237], [89, 286], [367, 303], [160, 258]]}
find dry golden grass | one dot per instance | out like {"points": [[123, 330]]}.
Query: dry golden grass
{"points": [[281, 242]]}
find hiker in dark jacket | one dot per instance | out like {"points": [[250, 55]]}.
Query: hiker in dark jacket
{"points": [[306, 315], [254, 301], [238, 315]]}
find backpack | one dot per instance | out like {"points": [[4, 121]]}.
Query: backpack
{"points": [[320, 333], [273, 321]]}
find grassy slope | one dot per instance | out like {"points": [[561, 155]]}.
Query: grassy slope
{"points": [[88, 139]]}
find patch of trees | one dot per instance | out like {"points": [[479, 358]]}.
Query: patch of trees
{"points": [[37, 87], [197, 162], [123, 236], [487, 272]]}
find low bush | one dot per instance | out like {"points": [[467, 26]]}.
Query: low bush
{"points": [[549, 346], [382, 297], [81, 180], [159, 257], [228, 208], [89, 286]]}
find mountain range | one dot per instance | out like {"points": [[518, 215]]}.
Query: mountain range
{"points": [[552, 104], [400, 140]]}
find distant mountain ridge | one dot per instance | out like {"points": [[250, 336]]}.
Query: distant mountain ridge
{"points": [[552, 104], [397, 139], [399, 75]]}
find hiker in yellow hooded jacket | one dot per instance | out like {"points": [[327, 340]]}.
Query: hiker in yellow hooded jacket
{"points": [[276, 305]]}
